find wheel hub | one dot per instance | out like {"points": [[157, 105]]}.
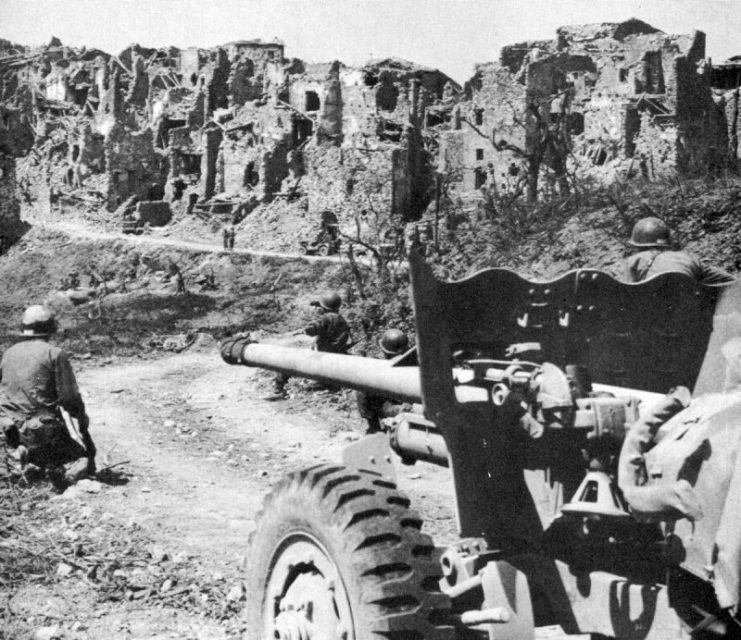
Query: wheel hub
{"points": [[307, 599]]}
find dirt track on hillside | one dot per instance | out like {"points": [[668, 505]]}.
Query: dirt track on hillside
{"points": [[200, 449]]}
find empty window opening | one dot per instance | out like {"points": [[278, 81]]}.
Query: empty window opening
{"points": [[434, 119], [386, 97], [79, 96], [479, 178], [599, 155], [190, 163], [167, 124], [155, 192], [251, 177], [302, 130], [479, 117], [653, 71], [623, 75], [479, 154], [193, 78], [575, 123], [75, 152], [178, 186], [390, 131], [312, 101], [192, 199]]}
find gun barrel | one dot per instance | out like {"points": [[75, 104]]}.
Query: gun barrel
{"points": [[363, 374]]}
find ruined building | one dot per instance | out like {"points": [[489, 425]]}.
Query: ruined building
{"points": [[240, 121], [725, 79], [243, 125], [598, 101], [16, 138]]}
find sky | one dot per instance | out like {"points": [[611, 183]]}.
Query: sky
{"points": [[451, 35]]}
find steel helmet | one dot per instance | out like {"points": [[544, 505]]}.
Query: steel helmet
{"points": [[38, 320], [330, 301], [393, 342], [650, 232]]}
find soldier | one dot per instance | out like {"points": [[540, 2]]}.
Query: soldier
{"points": [[232, 235], [37, 382], [373, 409], [228, 233], [174, 272], [652, 237], [332, 336]]}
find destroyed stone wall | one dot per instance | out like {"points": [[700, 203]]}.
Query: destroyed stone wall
{"points": [[15, 141], [10, 210], [132, 166], [254, 153], [702, 139], [590, 88], [731, 106], [362, 183], [211, 139], [349, 181], [191, 61], [467, 153]]}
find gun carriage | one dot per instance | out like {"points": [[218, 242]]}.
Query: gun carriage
{"points": [[525, 390]]}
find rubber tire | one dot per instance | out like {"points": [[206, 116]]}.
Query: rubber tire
{"points": [[389, 568]]}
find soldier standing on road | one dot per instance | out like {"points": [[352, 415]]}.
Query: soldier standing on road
{"points": [[332, 336], [36, 384], [229, 234], [232, 235], [373, 409], [652, 237], [178, 275]]}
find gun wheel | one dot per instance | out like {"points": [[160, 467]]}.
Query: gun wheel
{"points": [[323, 250], [338, 555]]}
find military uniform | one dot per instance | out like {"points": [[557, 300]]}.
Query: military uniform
{"points": [[332, 332], [374, 408], [37, 380], [647, 264], [332, 336]]}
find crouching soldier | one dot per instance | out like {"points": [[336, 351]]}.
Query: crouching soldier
{"points": [[332, 335], [371, 408], [36, 384]]}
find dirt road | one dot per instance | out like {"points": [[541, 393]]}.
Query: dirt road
{"points": [[199, 449], [196, 449]]}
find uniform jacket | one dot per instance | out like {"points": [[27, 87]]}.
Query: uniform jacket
{"points": [[37, 378], [701, 445], [646, 264], [332, 333]]}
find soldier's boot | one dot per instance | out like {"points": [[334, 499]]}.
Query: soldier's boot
{"points": [[279, 393], [57, 478], [76, 471]]}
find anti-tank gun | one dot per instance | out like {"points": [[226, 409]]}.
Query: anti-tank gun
{"points": [[515, 382]]}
